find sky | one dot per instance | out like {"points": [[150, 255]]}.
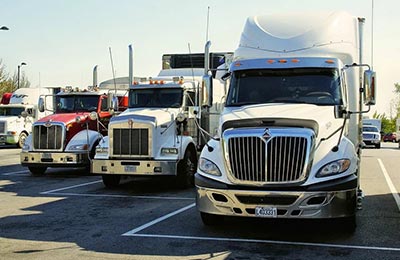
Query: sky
{"points": [[62, 40]]}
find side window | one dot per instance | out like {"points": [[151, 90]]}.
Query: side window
{"points": [[344, 88], [190, 99], [104, 106], [31, 112]]}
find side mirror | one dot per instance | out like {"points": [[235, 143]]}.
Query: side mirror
{"points": [[339, 111], [24, 114], [369, 87], [226, 76], [112, 103], [41, 105], [206, 91]]}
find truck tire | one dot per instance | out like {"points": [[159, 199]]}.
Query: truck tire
{"points": [[378, 146], [111, 181], [186, 169], [21, 140], [211, 219], [37, 171]]}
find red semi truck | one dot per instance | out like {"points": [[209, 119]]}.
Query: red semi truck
{"points": [[68, 137]]}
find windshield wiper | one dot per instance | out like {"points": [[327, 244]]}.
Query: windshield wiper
{"points": [[294, 101]]}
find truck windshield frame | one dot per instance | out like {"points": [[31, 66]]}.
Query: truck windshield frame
{"points": [[156, 97], [318, 86], [11, 111], [76, 103]]}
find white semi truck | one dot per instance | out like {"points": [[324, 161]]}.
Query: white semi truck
{"points": [[158, 134], [17, 117], [288, 144]]}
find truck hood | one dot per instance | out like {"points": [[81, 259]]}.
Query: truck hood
{"points": [[320, 117], [65, 118], [156, 115]]}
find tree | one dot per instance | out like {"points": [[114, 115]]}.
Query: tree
{"points": [[5, 83], [10, 84]]}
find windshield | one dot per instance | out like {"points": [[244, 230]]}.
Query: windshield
{"points": [[319, 86], [160, 97], [11, 111], [76, 103], [370, 129]]}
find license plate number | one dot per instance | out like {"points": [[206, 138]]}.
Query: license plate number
{"points": [[46, 155], [130, 168], [266, 212]]}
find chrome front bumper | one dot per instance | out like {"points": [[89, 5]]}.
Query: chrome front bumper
{"points": [[57, 159], [288, 204], [134, 167]]}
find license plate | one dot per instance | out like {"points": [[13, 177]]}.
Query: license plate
{"points": [[266, 212], [130, 168], [46, 156]]}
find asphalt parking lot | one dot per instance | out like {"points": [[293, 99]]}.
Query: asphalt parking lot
{"points": [[69, 213]]}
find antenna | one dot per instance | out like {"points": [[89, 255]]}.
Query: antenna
{"points": [[112, 67], [191, 61], [208, 22]]}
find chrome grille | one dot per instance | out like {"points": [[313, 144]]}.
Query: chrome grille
{"points": [[131, 141], [2, 127], [276, 160], [48, 137]]}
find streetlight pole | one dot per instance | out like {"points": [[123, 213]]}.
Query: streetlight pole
{"points": [[19, 72]]}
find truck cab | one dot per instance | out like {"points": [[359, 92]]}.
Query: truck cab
{"points": [[159, 134], [19, 113], [289, 141], [68, 137]]}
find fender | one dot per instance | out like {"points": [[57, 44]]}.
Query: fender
{"points": [[82, 138], [182, 142], [28, 144], [185, 141]]}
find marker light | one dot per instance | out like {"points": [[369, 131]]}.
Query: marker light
{"points": [[330, 61], [282, 61], [295, 60], [238, 64], [270, 61]]}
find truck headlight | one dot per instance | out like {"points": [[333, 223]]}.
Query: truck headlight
{"points": [[166, 150], [101, 150], [80, 147], [334, 167], [209, 167]]}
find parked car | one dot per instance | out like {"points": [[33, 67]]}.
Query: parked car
{"points": [[390, 137], [371, 136]]}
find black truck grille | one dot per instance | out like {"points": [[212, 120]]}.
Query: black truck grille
{"points": [[131, 142], [48, 138]]}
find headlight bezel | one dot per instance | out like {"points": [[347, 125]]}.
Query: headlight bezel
{"points": [[169, 151], [79, 147], [334, 168], [209, 167]]}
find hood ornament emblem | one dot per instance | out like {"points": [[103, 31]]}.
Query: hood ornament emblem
{"points": [[130, 122], [48, 123], [267, 134]]}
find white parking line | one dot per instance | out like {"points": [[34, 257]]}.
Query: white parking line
{"points": [[118, 196], [133, 231], [14, 173], [266, 242], [70, 187], [390, 184]]}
